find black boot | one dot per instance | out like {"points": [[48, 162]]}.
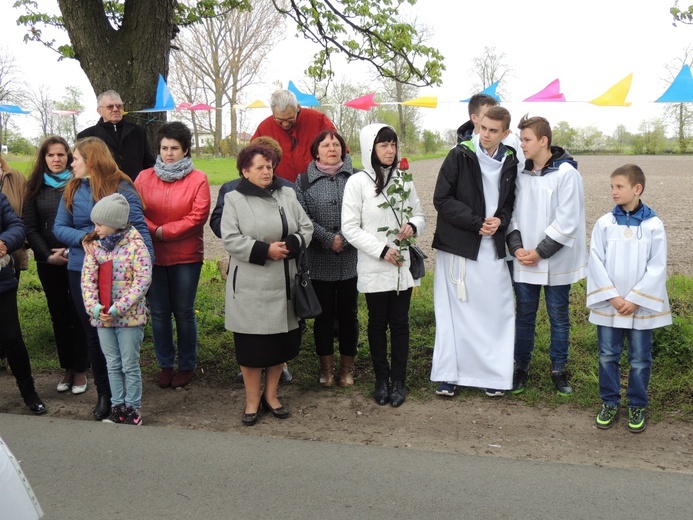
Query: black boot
{"points": [[31, 398], [382, 392], [103, 407], [398, 393]]}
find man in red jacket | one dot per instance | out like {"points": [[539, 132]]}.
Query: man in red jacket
{"points": [[294, 128]]}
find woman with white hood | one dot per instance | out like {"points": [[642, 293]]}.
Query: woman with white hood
{"points": [[383, 271]]}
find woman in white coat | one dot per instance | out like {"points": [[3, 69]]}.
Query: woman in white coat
{"points": [[383, 273]]}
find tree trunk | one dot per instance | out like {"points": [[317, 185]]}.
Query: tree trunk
{"points": [[233, 100], [127, 60]]}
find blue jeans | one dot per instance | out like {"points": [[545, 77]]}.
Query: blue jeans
{"points": [[121, 347], [557, 306], [173, 291], [639, 358]]}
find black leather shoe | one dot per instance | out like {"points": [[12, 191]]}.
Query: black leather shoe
{"points": [[279, 413], [103, 407], [35, 404], [249, 419], [382, 392], [398, 393], [286, 377]]}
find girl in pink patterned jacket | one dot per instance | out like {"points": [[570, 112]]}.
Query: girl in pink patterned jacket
{"points": [[116, 275]]}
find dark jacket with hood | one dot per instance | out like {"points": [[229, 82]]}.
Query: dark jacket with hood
{"points": [[128, 144], [465, 132], [459, 200]]}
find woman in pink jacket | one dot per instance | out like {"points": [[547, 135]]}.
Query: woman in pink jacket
{"points": [[177, 202]]}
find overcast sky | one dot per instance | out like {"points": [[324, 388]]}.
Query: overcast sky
{"points": [[589, 45]]}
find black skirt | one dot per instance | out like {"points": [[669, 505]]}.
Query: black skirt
{"points": [[266, 350]]}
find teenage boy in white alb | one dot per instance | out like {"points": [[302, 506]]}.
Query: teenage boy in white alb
{"points": [[627, 294], [548, 240], [473, 297]]}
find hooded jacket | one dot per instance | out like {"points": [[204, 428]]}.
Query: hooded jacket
{"points": [[362, 219], [459, 200], [550, 213]]}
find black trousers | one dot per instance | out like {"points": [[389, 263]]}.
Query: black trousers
{"points": [[13, 343], [70, 340], [338, 300], [389, 309], [96, 357]]}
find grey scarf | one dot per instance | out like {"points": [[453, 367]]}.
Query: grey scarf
{"points": [[175, 171]]}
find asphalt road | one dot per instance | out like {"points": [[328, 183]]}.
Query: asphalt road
{"points": [[81, 469]]}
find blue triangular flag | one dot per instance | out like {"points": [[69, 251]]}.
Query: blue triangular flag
{"points": [[13, 109], [305, 100], [681, 89], [490, 90], [164, 99]]}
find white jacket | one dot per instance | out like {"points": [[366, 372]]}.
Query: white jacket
{"points": [[361, 219]]}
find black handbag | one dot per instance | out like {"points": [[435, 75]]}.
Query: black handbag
{"points": [[417, 267], [306, 303]]}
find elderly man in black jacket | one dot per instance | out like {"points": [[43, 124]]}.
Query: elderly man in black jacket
{"points": [[127, 142]]}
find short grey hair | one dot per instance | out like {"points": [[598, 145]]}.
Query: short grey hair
{"points": [[283, 99], [110, 94]]}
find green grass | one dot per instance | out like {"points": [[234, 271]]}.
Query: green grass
{"points": [[218, 169], [670, 385]]}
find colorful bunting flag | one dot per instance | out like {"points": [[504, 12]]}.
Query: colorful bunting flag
{"points": [[424, 102], [681, 89], [616, 95], [552, 92], [490, 91], [164, 100], [362, 103], [13, 109], [305, 100]]}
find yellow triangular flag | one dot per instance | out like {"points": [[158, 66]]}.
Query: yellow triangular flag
{"points": [[616, 95], [425, 101], [257, 104]]}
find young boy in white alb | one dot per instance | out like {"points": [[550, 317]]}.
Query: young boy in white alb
{"points": [[547, 237], [627, 294]]}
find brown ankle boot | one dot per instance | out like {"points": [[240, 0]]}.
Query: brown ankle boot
{"points": [[346, 370], [327, 370]]}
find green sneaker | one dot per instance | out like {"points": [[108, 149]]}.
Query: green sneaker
{"points": [[636, 419], [606, 416]]}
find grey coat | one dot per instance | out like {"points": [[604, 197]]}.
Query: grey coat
{"points": [[258, 289], [323, 204]]}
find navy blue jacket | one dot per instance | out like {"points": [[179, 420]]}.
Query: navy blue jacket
{"points": [[12, 234]]}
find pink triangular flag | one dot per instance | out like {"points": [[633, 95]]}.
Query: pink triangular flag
{"points": [[183, 106], [201, 106], [552, 92], [362, 103]]}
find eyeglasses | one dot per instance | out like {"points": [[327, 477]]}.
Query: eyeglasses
{"points": [[113, 106], [288, 120], [281, 121]]}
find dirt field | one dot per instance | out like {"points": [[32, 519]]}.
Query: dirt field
{"points": [[466, 424]]}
